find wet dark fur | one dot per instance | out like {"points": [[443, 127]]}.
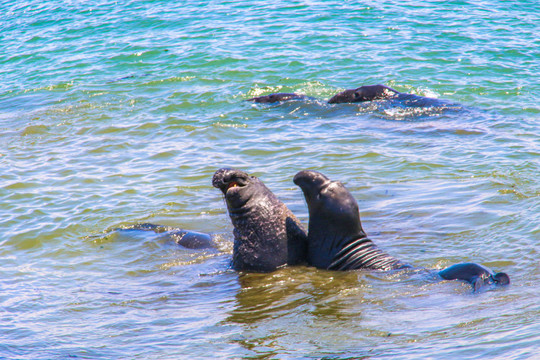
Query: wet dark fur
{"points": [[361, 94], [277, 97], [266, 233], [475, 274], [364, 93], [336, 240]]}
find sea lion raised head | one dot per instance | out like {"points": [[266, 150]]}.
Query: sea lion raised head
{"points": [[336, 240], [266, 233], [364, 93]]}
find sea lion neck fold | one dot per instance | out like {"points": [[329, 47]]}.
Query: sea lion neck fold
{"points": [[336, 240], [266, 233]]}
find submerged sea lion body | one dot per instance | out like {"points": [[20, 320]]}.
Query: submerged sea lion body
{"points": [[475, 274], [278, 97], [362, 94], [336, 240], [187, 238], [266, 233]]}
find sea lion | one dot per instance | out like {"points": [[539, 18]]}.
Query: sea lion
{"points": [[336, 240], [187, 238], [278, 97], [364, 93], [475, 274], [266, 233]]}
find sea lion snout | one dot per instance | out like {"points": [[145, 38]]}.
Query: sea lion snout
{"points": [[225, 179], [309, 180], [501, 278]]}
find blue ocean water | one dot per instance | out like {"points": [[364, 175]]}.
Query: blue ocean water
{"points": [[118, 113]]}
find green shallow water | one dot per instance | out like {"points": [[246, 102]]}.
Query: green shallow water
{"points": [[117, 113]]}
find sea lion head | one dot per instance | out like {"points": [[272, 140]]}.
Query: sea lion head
{"points": [[239, 188], [334, 221], [501, 278], [363, 93], [266, 233], [331, 206]]}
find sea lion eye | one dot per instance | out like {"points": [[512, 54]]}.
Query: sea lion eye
{"points": [[356, 95]]}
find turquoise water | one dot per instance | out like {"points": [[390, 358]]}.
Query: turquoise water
{"points": [[117, 113]]}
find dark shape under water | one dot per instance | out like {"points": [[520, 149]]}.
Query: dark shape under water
{"points": [[336, 240], [186, 238], [475, 274], [278, 97]]}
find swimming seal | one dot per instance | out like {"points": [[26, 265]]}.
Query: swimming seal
{"points": [[277, 97], [475, 274], [336, 240], [364, 93], [267, 235], [187, 238]]}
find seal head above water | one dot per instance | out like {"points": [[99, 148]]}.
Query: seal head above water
{"points": [[266, 233], [336, 240]]}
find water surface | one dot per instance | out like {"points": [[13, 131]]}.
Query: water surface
{"points": [[117, 113]]}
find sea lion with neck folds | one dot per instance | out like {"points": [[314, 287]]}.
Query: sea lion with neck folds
{"points": [[266, 233], [336, 240]]}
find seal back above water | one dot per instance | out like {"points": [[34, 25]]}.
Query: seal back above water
{"points": [[364, 93], [278, 97], [475, 274], [266, 233]]}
